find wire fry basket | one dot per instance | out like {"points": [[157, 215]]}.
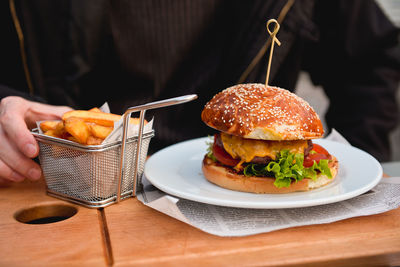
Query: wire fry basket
{"points": [[100, 175]]}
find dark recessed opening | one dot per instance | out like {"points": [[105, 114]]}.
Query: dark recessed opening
{"points": [[45, 214]]}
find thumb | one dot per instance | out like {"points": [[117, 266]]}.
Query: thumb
{"points": [[39, 112]]}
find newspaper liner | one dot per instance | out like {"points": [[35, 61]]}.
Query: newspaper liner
{"points": [[227, 221]]}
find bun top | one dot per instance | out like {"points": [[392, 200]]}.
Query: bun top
{"points": [[257, 112]]}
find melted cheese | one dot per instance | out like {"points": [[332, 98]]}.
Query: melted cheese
{"points": [[247, 149]]}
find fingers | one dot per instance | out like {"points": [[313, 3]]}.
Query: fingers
{"points": [[16, 114], [7, 174], [51, 110], [14, 165], [17, 144], [12, 122], [39, 112]]}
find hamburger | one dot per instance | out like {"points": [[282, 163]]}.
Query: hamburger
{"points": [[264, 142]]}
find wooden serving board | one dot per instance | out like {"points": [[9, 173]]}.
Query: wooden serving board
{"points": [[131, 234], [145, 237], [70, 242]]}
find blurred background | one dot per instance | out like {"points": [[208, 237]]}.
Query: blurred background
{"points": [[318, 100]]}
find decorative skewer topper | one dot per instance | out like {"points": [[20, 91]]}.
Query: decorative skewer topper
{"points": [[274, 39]]}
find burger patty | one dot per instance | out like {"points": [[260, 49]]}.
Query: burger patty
{"points": [[309, 148], [263, 160]]}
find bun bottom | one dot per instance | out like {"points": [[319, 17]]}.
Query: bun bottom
{"points": [[224, 177]]}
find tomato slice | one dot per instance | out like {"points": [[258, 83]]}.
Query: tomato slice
{"points": [[221, 155], [320, 153], [319, 149], [309, 160]]}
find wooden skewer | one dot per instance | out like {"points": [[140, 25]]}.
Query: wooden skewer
{"points": [[274, 40]]}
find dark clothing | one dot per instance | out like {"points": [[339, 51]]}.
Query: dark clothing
{"points": [[83, 53]]}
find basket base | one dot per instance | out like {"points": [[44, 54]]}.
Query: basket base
{"points": [[90, 204]]}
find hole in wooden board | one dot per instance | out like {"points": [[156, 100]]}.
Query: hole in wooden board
{"points": [[45, 214]]}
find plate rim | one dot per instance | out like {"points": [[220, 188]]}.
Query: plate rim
{"points": [[263, 205]]}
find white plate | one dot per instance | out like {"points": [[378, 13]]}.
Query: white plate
{"points": [[176, 170]]}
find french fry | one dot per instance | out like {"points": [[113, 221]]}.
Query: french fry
{"points": [[95, 110], [85, 127], [73, 139], [100, 131], [54, 128], [51, 132], [60, 130], [48, 125], [94, 140], [100, 118], [78, 129]]}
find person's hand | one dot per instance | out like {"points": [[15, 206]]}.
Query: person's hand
{"points": [[17, 144]]}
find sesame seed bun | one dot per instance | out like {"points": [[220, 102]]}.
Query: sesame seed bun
{"points": [[258, 112], [226, 178]]}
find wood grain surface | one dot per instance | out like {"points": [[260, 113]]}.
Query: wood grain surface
{"points": [[144, 237], [71, 242], [131, 234]]}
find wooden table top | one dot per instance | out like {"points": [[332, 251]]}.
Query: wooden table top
{"points": [[131, 234]]}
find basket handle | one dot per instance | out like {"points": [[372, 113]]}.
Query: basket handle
{"points": [[126, 116]]}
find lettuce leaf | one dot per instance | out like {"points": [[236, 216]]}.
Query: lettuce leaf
{"points": [[321, 166], [210, 153], [288, 167]]}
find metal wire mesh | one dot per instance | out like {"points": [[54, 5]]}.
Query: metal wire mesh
{"points": [[89, 176]]}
